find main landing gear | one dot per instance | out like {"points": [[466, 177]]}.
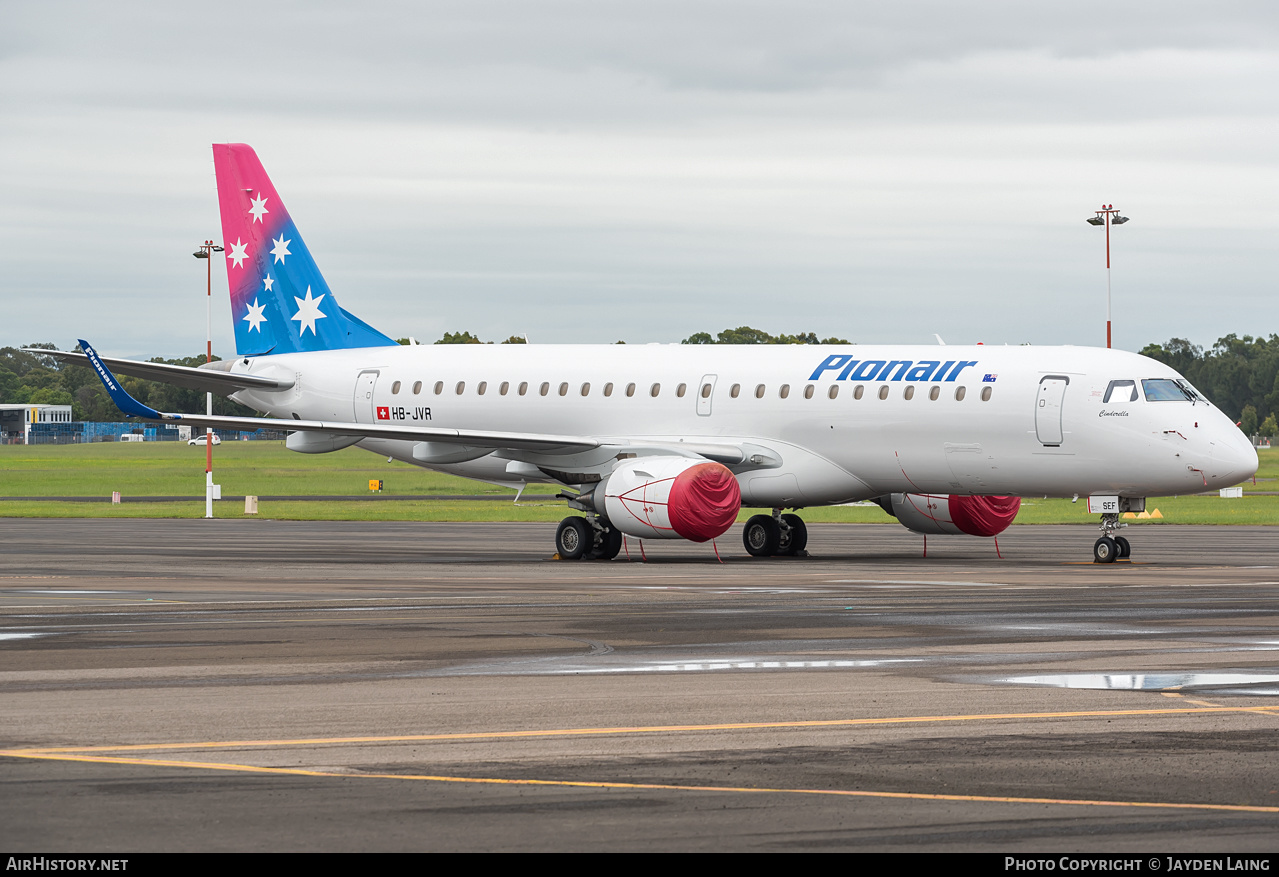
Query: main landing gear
{"points": [[776, 534], [1110, 547], [583, 539]]}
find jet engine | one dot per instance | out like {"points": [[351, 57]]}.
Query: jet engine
{"points": [[952, 515], [670, 498]]}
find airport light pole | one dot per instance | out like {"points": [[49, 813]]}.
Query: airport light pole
{"points": [[205, 252], [1108, 215]]}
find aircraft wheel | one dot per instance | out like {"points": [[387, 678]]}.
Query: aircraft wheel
{"points": [[573, 538], [610, 545], [1105, 550], [761, 536], [1125, 547], [796, 540]]}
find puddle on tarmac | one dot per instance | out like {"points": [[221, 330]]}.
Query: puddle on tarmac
{"points": [[1251, 682]]}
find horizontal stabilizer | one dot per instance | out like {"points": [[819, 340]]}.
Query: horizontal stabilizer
{"points": [[206, 380]]}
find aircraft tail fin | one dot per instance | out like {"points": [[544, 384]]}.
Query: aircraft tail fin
{"points": [[280, 302]]}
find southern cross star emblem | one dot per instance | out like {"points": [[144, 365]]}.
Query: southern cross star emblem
{"points": [[281, 249], [258, 208], [308, 312], [255, 318], [239, 252]]}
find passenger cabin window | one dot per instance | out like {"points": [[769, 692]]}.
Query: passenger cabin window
{"points": [[395, 388], [985, 394], [630, 389], [461, 387], [833, 391], [808, 392], [783, 391], [1119, 391], [503, 388], [654, 390], [706, 391], [735, 390], [523, 388], [680, 390], [608, 389], [960, 392], [934, 393], [759, 391], [417, 387], [545, 388], [586, 389], [909, 392], [439, 387], [482, 388], [858, 391], [883, 391], [564, 388]]}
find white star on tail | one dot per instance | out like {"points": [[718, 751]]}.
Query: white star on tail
{"points": [[308, 312], [258, 208], [266, 283], [239, 252], [281, 249], [254, 317]]}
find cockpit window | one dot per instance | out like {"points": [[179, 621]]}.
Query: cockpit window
{"points": [[1168, 390], [1120, 391]]}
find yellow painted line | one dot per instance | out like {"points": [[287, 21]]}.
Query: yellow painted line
{"points": [[668, 787], [652, 729]]}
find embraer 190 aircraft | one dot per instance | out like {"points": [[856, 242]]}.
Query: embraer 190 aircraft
{"points": [[671, 441]]}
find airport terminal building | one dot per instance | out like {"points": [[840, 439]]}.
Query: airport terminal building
{"points": [[16, 421], [52, 425]]}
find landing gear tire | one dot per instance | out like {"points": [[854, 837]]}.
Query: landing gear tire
{"points": [[794, 540], [1105, 550], [761, 536], [573, 538], [610, 545], [1125, 548]]}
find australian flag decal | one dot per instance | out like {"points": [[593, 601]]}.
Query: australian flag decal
{"points": [[989, 379]]}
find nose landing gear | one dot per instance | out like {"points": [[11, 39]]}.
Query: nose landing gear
{"points": [[1110, 547]]}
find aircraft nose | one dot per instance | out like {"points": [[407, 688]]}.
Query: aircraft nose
{"points": [[1233, 457]]}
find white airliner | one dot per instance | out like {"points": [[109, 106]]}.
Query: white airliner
{"points": [[671, 441]]}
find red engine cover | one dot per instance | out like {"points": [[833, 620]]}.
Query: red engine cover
{"points": [[704, 502], [954, 514], [984, 515], [672, 498]]}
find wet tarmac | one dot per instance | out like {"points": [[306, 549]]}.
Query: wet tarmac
{"points": [[269, 685]]}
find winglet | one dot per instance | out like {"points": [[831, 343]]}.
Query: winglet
{"points": [[126, 403]]}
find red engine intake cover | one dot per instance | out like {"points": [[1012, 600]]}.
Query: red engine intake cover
{"points": [[704, 502], [983, 515]]}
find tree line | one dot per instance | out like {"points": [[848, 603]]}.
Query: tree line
{"points": [[1239, 375]]}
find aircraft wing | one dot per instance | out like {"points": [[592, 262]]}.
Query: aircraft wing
{"points": [[206, 380]]}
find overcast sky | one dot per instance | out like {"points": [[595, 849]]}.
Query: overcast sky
{"points": [[598, 171]]}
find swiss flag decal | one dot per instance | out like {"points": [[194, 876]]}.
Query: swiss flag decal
{"points": [[383, 413]]}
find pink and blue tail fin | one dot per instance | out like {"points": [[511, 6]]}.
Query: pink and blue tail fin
{"points": [[279, 300]]}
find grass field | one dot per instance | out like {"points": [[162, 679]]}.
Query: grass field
{"points": [[266, 469]]}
